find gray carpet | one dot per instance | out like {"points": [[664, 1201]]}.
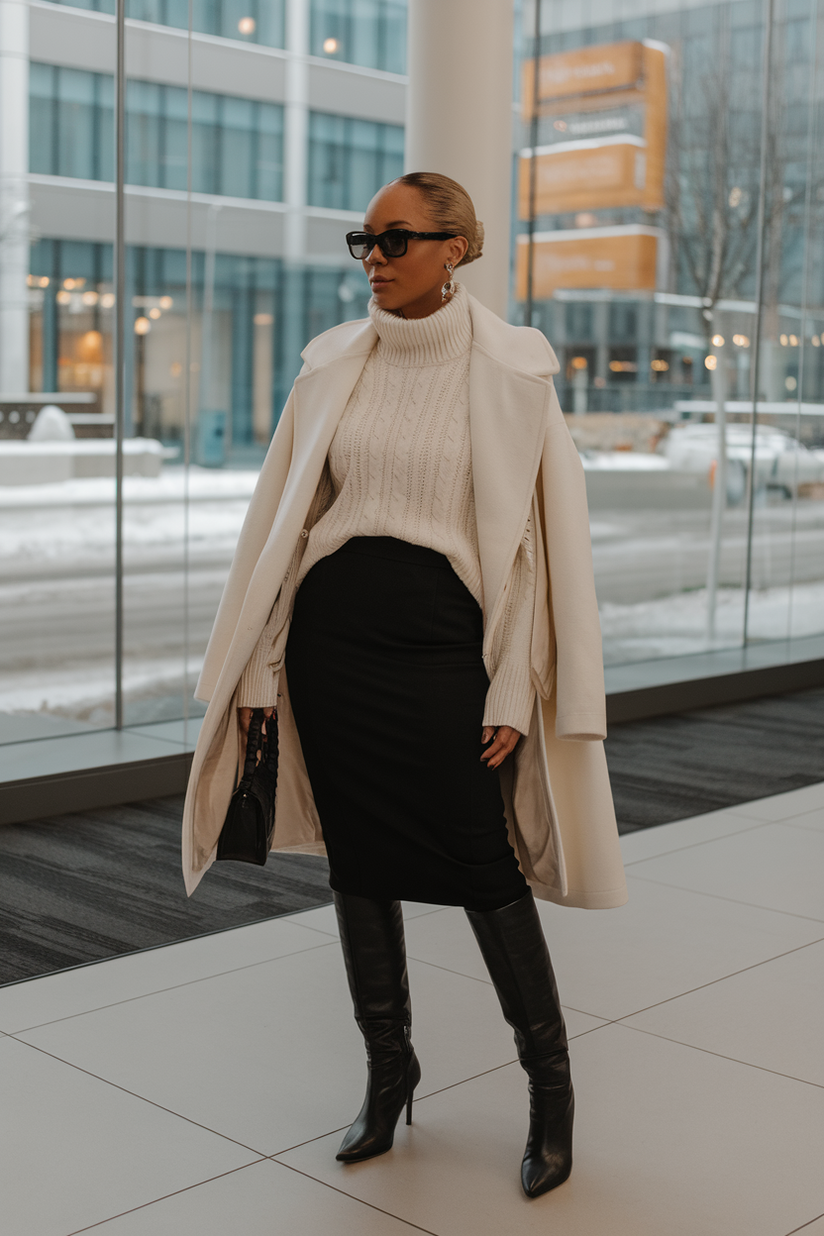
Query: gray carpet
{"points": [[79, 888], [671, 768]]}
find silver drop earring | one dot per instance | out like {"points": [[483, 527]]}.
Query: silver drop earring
{"points": [[448, 289]]}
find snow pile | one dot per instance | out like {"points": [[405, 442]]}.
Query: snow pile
{"points": [[676, 625]]}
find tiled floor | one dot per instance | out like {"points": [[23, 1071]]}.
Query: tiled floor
{"points": [[202, 1088]]}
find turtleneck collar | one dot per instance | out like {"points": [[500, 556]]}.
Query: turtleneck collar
{"points": [[444, 335]]}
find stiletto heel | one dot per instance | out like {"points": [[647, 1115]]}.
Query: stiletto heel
{"points": [[373, 949], [515, 952]]}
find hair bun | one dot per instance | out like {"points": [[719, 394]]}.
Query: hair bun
{"points": [[476, 245], [450, 207]]}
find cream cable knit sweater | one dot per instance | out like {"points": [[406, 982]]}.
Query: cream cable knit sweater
{"points": [[400, 466]]}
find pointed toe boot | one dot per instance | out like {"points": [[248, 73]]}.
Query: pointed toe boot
{"points": [[513, 946], [547, 1159], [374, 953]]}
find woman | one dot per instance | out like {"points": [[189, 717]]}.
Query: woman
{"points": [[440, 706]]}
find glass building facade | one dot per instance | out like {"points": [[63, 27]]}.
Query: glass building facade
{"points": [[670, 217], [667, 238]]}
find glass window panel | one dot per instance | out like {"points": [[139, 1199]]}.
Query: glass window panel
{"points": [[366, 32], [42, 153], [269, 153], [350, 159], [75, 123], [144, 133], [237, 147], [677, 357]]}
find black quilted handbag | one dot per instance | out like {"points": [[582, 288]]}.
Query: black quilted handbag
{"points": [[246, 836]]}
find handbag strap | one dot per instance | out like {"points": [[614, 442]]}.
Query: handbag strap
{"points": [[254, 744]]}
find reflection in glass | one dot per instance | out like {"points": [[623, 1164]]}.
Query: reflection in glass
{"points": [[350, 159], [367, 32], [252, 21], [639, 188]]}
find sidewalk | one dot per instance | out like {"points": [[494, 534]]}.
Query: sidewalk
{"points": [[201, 1089]]}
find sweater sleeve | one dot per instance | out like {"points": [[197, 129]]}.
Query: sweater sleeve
{"points": [[258, 686], [510, 699]]}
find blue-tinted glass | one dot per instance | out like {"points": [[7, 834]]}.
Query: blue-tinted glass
{"points": [[237, 144], [41, 119], [367, 32], [76, 123], [146, 10], [144, 133], [227, 18], [205, 142], [237, 148], [104, 153], [349, 160]]}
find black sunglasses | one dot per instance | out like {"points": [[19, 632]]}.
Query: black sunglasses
{"points": [[393, 243]]}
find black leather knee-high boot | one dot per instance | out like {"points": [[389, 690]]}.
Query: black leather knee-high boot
{"points": [[514, 949], [372, 938]]}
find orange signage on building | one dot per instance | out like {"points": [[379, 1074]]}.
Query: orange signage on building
{"points": [[621, 169], [620, 259], [590, 178], [585, 70]]}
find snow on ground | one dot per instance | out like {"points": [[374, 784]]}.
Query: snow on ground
{"points": [[75, 520], [85, 692], [677, 625], [68, 528]]}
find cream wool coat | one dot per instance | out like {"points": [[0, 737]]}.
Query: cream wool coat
{"points": [[556, 787]]}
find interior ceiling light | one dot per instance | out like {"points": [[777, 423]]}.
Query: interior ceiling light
{"points": [[793, 341], [718, 341], [741, 341], [154, 313], [783, 340], [142, 326], [710, 362], [247, 25], [330, 46], [166, 302]]}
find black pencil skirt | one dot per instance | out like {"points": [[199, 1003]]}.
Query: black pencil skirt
{"points": [[388, 688]]}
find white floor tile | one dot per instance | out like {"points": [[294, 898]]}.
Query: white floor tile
{"points": [[610, 963], [669, 1140], [783, 806], [816, 1228], [266, 1199], [664, 838], [66, 994], [270, 1056], [771, 1016], [810, 819], [777, 867], [74, 1151]]}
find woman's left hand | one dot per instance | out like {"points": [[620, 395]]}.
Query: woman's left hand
{"points": [[506, 740]]}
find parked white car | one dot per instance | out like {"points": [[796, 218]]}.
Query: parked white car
{"points": [[781, 461]]}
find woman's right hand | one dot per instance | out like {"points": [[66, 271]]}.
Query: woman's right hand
{"points": [[244, 717]]}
